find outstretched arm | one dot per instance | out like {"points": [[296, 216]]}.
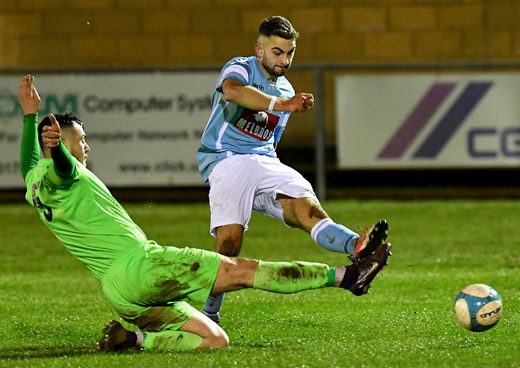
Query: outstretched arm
{"points": [[251, 98], [30, 102]]}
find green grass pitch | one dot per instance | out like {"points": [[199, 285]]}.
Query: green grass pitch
{"points": [[53, 310]]}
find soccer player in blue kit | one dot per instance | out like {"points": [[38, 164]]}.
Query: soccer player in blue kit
{"points": [[250, 108]]}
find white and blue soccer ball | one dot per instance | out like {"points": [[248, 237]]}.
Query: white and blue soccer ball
{"points": [[478, 307]]}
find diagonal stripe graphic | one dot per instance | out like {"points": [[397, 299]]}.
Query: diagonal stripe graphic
{"points": [[452, 120], [417, 119]]}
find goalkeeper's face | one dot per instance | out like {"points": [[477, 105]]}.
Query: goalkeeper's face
{"points": [[74, 138]]}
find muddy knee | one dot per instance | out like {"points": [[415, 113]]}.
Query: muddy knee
{"points": [[229, 239], [229, 247]]}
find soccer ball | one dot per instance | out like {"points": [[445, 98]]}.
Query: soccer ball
{"points": [[478, 307]]}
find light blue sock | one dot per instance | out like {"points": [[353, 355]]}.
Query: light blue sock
{"points": [[334, 237], [213, 304]]}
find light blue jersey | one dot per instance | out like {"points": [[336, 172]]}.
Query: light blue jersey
{"points": [[234, 129]]}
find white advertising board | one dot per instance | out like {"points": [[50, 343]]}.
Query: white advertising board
{"points": [[407, 121], [143, 129]]}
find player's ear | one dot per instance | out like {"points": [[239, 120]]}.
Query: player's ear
{"points": [[259, 50], [64, 139]]}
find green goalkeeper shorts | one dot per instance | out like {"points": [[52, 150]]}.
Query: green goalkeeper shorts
{"points": [[149, 285]]}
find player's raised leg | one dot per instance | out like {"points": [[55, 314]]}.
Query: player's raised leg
{"points": [[307, 214], [292, 277]]}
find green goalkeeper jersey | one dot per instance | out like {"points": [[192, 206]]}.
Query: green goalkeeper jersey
{"points": [[79, 210]]}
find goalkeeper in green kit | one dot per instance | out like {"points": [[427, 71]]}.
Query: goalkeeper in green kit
{"points": [[147, 284]]}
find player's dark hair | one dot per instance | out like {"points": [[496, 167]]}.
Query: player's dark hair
{"points": [[66, 120], [278, 26]]}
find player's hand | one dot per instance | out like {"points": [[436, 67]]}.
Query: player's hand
{"points": [[301, 102], [29, 98], [51, 134]]}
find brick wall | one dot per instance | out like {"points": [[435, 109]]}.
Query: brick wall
{"points": [[37, 34]]}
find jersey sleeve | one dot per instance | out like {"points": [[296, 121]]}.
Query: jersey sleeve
{"points": [[64, 172], [237, 69], [30, 151], [64, 164]]}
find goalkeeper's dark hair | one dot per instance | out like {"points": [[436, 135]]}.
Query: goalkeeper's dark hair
{"points": [[66, 120], [277, 25]]}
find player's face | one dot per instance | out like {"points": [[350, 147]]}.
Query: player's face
{"points": [[275, 55], [76, 143]]}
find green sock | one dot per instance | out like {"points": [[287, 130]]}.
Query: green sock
{"points": [[291, 277], [332, 277], [171, 340]]}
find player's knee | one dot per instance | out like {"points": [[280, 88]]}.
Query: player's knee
{"points": [[229, 239], [229, 246], [219, 341]]}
